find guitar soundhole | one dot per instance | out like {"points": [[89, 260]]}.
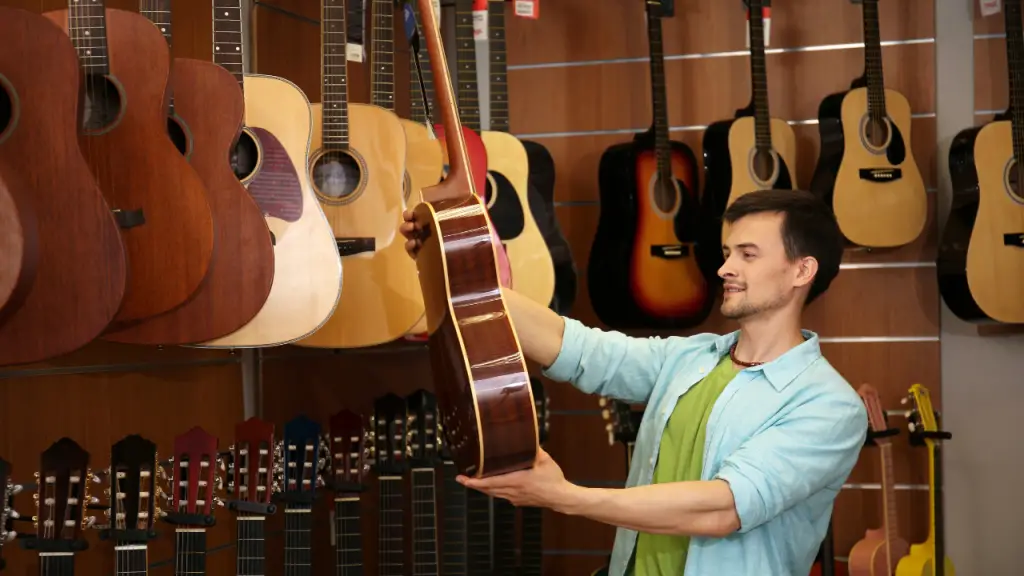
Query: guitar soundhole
{"points": [[876, 132], [336, 176], [7, 120], [103, 103], [177, 135], [1013, 180], [665, 196], [245, 155], [763, 165]]}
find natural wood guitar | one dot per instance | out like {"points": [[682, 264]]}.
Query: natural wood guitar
{"points": [[878, 552], [480, 374], [981, 255], [160, 202], [270, 159], [358, 170], [866, 169], [751, 152], [19, 246], [77, 242], [643, 270]]}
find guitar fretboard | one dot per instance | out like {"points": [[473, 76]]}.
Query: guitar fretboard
{"points": [[420, 112], [424, 523], [159, 13], [228, 51], [453, 555], [888, 494], [190, 552], [87, 27], [391, 555], [499, 65], [759, 78], [1015, 68], [505, 559], [57, 564], [658, 96], [873, 61], [130, 559], [348, 537], [298, 540], [382, 57], [334, 70], [465, 58], [532, 535], [250, 542], [478, 533]]}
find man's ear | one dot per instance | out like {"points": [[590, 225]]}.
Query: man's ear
{"points": [[806, 270]]}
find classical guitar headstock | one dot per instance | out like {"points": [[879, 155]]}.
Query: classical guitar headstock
{"points": [[873, 404], [542, 403], [61, 498], [423, 434], [391, 440], [922, 419], [623, 422], [252, 467], [301, 461], [134, 493], [7, 513], [350, 448], [193, 483]]}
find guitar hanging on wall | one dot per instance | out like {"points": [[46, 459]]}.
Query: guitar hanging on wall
{"points": [[643, 270], [981, 253], [866, 169]]}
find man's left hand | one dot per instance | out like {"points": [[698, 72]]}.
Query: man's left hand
{"points": [[543, 486]]}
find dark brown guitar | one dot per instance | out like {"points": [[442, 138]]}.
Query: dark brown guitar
{"points": [[482, 386], [206, 110], [80, 277], [19, 248], [159, 201]]}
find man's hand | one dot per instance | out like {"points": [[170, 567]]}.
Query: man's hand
{"points": [[408, 229], [543, 486]]}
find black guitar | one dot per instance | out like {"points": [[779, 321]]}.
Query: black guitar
{"points": [[133, 505]]}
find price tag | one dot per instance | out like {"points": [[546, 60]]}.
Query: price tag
{"points": [[479, 25], [766, 17], [528, 9], [354, 52], [989, 7]]}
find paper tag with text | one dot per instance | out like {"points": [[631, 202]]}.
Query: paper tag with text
{"points": [[354, 52], [479, 25], [528, 9], [989, 7], [766, 18]]}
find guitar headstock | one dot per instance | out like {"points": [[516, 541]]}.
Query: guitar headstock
{"points": [[192, 491], [61, 497], [422, 422], [623, 422], [391, 446], [542, 403], [134, 492], [873, 403], [350, 451], [253, 464], [301, 448], [7, 513], [921, 418]]}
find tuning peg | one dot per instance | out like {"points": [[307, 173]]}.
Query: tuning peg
{"points": [[218, 501], [13, 514], [89, 521], [606, 414], [16, 489], [8, 536], [602, 401]]}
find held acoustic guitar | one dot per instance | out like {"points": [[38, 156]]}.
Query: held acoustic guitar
{"points": [[751, 152], [480, 376], [205, 117], [80, 273], [878, 552], [159, 200], [643, 270], [358, 170], [270, 159], [924, 430], [19, 246], [981, 254], [866, 169]]}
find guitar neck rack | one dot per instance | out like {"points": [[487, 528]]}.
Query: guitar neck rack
{"points": [[874, 435], [917, 438]]}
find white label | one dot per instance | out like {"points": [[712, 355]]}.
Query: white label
{"points": [[766, 27], [480, 24], [354, 52], [526, 8], [989, 7]]}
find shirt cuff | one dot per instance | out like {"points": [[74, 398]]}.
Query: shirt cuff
{"points": [[749, 504], [568, 359]]}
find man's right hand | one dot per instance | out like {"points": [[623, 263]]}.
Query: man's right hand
{"points": [[409, 231]]}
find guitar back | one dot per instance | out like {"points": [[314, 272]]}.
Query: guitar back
{"points": [[19, 248], [80, 277]]}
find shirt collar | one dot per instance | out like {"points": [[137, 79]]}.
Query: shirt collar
{"points": [[784, 369]]}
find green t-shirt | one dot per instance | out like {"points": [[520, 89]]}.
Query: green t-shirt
{"points": [[680, 459]]}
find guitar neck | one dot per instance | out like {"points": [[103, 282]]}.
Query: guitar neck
{"points": [[422, 95], [189, 551], [250, 542], [889, 515], [60, 563], [424, 523], [936, 531], [532, 535], [499, 65], [87, 28], [228, 49], [658, 95], [130, 559], [468, 97], [298, 539], [759, 78], [873, 61], [348, 536], [334, 75], [478, 532], [505, 561], [382, 55], [391, 554], [453, 558], [159, 13], [1015, 64]]}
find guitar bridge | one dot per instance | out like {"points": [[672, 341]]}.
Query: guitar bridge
{"points": [[670, 251], [881, 174], [1015, 240], [353, 246]]}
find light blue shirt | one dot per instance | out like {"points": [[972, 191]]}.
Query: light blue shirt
{"points": [[785, 436]]}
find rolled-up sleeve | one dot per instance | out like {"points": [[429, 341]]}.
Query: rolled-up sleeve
{"points": [[608, 363], [810, 449]]}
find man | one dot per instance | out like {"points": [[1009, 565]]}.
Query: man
{"points": [[747, 437]]}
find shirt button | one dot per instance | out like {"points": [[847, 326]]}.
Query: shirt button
{"points": [[701, 369]]}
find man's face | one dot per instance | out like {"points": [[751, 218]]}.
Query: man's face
{"points": [[758, 277]]}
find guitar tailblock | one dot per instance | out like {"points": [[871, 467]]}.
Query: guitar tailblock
{"points": [[881, 174]]}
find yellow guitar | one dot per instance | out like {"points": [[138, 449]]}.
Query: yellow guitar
{"points": [[358, 171], [921, 559]]}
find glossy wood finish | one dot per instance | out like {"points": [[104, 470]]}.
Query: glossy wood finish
{"points": [[138, 168], [210, 103], [480, 375], [80, 279], [19, 248]]}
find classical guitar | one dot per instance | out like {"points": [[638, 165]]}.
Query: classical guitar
{"points": [[270, 159], [454, 532], [424, 457], [752, 151], [480, 375], [866, 169], [62, 496], [19, 246], [531, 533], [206, 109], [158, 199], [643, 270], [7, 512], [924, 430], [983, 242], [66, 202], [133, 507], [878, 552], [252, 475], [350, 445], [358, 170], [190, 499], [391, 459], [301, 455]]}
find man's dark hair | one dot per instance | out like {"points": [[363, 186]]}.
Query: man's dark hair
{"points": [[809, 228]]}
